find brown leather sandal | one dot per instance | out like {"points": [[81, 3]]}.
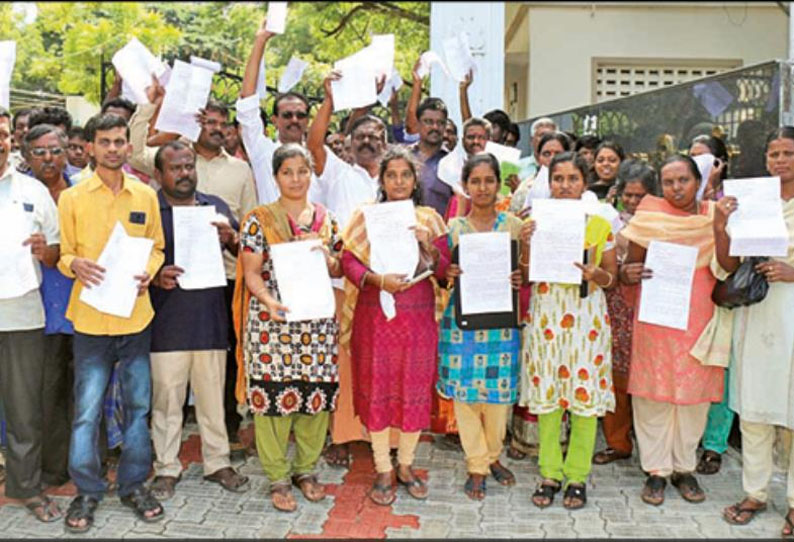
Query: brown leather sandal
{"points": [[741, 513], [229, 480], [309, 486], [282, 498], [415, 486]]}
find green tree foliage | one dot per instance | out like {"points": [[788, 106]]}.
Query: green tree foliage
{"points": [[62, 50]]}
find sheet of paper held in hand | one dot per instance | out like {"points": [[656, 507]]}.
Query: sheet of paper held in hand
{"points": [[187, 92], [393, 245], [276, 17], [136, 64], [123, 258], [757, 227], [558, 241], [303, 280], [17, 267], [665, 297], [485, 279], [357, 87], [196, 248]]}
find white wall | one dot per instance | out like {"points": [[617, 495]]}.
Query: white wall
{"points": [[484, 22], [565, 38]]}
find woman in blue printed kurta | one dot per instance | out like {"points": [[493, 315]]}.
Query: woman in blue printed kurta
{"points": [[479, 368]]}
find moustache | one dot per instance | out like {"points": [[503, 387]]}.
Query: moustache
{"points": [[217, 134], [365, 146], [434, 132], [184, 180], [293, 125]]}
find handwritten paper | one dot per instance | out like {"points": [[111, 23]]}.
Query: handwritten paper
{"points": [[136, 65], [665, 297], [210, 65], [303, 280], [291, 74], [558, 241], [123, 258], [757, 227], [357, 87], [276, 17], [485, 279], [196, 248], [458, 55], [17, 268], [8, 57], [186, 93], [393, 244]]}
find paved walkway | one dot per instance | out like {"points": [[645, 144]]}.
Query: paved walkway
{"points": [[614, 509]]}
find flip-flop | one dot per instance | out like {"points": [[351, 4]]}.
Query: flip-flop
{"points": [[44, 509], [502, 474], [469, 488]]}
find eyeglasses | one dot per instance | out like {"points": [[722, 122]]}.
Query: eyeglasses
{"points": [[300, 115], [38, 152]]}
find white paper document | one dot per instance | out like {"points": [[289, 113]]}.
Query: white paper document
{"points": [[558, 241], [291, 74], [757, 226], [450, 169], [210, 65], [485, 273], [123, 258], [196, 248], [136, 65], [458, 55], [357, 87], [392, 85], [540, 188], [503, 153], [276, 17], [427, 60], [393, 244], [303, 280], [17, 267], [665, 297], [187, 91], [8, 57], [382, 48]]}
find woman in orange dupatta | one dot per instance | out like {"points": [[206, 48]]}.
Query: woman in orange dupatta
{"points": [[671, 391], [287, 371], [394, 360]]}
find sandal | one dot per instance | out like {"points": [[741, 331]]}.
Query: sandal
{"points": [[788, 528], [142, 501], [609, 455], [653, 490], [229, 480], [309, 486], [740, 513], [502, 474], [546, 490], [475, 490], [575, 496], [164, 487], [81, 508], [415, 486], [287, 502], [710, 463], [43, 508], [515, 453], [383, 494], [338, 455], [688, 487]]}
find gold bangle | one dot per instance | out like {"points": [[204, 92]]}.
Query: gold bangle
{"points": [[382, 278], [522, 262], [611, 280]]}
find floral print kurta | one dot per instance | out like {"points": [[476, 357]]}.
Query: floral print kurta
{"points": [[291, 366]]}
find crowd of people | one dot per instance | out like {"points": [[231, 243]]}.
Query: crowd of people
{"points": [[393, 361]]}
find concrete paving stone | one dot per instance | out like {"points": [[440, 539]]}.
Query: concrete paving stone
{"points": [[635, 531], [183, 529], [275, 529], [133, 535], [406, 505], [433, 528]]}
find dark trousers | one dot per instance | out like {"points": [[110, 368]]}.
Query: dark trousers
{"points": [[21, 378], [232, 418], [94, 358], [57, 408]]}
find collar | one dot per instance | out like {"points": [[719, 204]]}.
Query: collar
{"points": [[223, 155], [8, 173], [201, 199], [94, 182], [441, 151]]}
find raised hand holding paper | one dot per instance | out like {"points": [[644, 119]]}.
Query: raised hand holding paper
{"points": [[391, 86], [136, 64], [357, 87], [757, 227], [459, 59], [276, 17], [427, 59], [187, 91]]}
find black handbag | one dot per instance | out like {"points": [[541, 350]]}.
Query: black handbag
{"points": [[743, 287]]}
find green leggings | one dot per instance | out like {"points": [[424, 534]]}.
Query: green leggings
{"points": [[720, 420], [578, 459], [272, 440]]}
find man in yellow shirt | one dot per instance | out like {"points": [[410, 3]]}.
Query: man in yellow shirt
{"points": [[88, 213]]}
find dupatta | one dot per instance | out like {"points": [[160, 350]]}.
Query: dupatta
{"points": [[277, 227], [356, 241]]}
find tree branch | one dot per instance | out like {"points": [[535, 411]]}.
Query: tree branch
{"points": [[388, 8]]}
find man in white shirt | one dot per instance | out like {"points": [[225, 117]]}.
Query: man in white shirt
{"points": [[24, 203], [290, 116]]}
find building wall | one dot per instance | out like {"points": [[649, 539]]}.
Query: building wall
{"points": [[563, 40]]}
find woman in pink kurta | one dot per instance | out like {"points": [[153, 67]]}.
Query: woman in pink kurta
{"points": [[393, 359], [671, 391]]}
